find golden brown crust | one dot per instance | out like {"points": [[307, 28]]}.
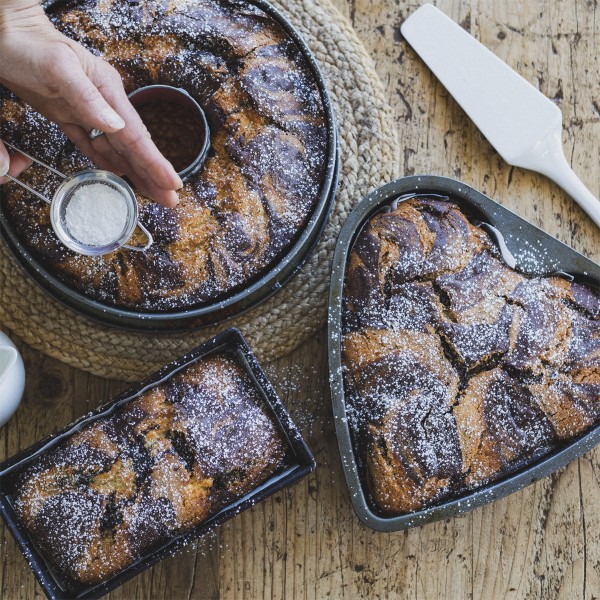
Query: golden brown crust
{"points": [[247, 205], [160, 465], [398, 488], [458, 369]]}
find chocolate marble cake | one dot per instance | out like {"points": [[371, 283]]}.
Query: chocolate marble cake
{"points": [[264, 174], [160, 465], [458, 370]]}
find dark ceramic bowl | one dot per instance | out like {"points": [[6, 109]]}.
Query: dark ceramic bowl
{"points": [[530, 247]]}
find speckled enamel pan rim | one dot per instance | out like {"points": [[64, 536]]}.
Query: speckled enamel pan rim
{"points": [[243, 300], [303, 463], [553, 256]]}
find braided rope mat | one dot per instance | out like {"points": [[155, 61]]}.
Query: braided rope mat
{"points": [[369, 155]]}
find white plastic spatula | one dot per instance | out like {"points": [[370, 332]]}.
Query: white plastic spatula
{"points": [[522, 124]]}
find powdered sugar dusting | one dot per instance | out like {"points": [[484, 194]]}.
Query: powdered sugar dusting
{"points": [[157, 467], [263, 178], [458, 369], [96, 214]]}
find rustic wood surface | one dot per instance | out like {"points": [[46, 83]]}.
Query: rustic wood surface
{"points": [[306, 543]]}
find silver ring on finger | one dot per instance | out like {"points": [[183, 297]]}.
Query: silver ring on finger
{"points": [[95, 133]]}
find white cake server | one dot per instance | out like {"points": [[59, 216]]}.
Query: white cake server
{"points": [[522, 124]]}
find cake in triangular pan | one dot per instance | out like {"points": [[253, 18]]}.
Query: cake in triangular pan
{"points": [[458, 370]]}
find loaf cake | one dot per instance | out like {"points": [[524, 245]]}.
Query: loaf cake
{"points": [[262, 179], [161, 464], [458, 370]]}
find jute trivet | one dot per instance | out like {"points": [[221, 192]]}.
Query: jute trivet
{"points": [[369, 157]]}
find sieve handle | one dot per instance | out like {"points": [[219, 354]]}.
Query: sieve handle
{"points": [[148, 243], [35, 160], [28, 188]]}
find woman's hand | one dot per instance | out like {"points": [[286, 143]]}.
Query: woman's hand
{"points": [[13, 165], [80, 92]]}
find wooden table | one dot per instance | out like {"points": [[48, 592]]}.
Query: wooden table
{"points": [[306, 543]]}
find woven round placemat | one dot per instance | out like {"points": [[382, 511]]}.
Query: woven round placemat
{"points": [[369, 157]]}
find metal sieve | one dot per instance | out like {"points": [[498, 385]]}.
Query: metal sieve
{"points": [[64, 194]]}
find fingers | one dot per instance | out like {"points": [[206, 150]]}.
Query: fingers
{"points": [[159, 189], [108, 160], [145, 157], [104, 156], [81, 92], [4, 160], [145, 185], [83, 97], [165, 197], [129, 150], [18, 163], [13, 164], [134, 140]]}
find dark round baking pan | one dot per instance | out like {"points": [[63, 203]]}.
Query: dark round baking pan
{"points": [[534, 251], [256, 292]]}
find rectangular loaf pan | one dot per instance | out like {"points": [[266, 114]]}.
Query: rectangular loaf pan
{"points": [[299, 462], [535, 252]]}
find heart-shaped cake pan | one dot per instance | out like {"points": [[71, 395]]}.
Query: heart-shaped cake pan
{"points": [[524, 249]]}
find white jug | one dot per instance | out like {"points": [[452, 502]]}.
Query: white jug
{"points": [[12, 378]]}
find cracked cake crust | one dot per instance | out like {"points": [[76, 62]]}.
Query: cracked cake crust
{"points": [[155, 468], [258, 187], [458, 370]]}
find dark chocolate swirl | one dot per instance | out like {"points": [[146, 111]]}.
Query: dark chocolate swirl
{"points": [[458, 369], [157, 467], [255, 193]]}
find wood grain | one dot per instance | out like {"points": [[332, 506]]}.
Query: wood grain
{"points": [[305, 543]]}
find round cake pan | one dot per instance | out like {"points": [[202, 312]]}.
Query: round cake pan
{"points": [[529, 246], [255, 292]]}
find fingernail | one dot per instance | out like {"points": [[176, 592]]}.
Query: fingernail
{"points": [[179, 183], [173, 200], [112, 119], [4, 166]]}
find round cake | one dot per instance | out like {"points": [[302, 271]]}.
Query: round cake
{"points": [[264, 175]]}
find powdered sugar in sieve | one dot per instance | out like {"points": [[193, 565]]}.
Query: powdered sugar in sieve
{"points": [[96, 214]]}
